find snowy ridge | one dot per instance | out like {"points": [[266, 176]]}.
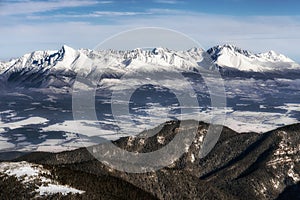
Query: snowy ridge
{"points": [[85, 61], [229, 56], [33, 61], [157, 59]]}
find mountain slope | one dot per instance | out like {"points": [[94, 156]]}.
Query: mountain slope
{"points": [[230, 56], [241, 165]]}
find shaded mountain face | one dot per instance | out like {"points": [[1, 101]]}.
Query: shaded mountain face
{"points": [[240, 166], [42, 69]]}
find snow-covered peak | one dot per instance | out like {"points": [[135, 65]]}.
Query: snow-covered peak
{"points": [[35, 58], [229, 50], [274, 57], [230, 56], [67, 48], [86, 61], [40, 60], [160, 50], [155, 59], [160, 58], [67, 56]]}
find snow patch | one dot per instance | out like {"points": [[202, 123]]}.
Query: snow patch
{"points": [[53, 189], [192, 158], [29, 173], [275, 183], [160, 139], [28, 121], [291, 173]]}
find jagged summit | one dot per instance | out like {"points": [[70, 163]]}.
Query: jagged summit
{"points": [[230, 49], [230, 56], [86, 61], [274, 56], [66, 47], [159, 50]]}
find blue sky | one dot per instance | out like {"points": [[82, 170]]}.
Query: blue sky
{"points": [[257, 25]]}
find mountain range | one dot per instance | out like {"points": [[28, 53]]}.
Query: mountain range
{"points": [[58, 68]]}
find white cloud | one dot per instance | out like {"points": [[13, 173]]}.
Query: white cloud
{"points": [[112, 13], [108, 14], [30, 7], [168, 1], [166, 11], [105, 14]]}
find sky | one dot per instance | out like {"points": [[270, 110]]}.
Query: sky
{"points": [[256, 25]]}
